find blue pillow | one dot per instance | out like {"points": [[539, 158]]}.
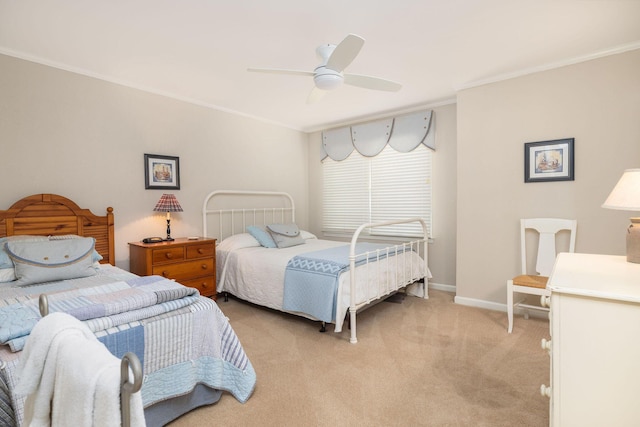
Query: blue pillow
{"points": [[38, 262], [261, 234], [5, 261], [285, 235]]}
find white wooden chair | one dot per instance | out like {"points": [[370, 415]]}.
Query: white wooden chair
{"points": [[536, 284]]}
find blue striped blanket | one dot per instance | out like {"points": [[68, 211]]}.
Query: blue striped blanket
{"points": [[102, 306], [311, 279]]}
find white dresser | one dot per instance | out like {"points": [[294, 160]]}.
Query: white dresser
{"points": [[595, 341]]}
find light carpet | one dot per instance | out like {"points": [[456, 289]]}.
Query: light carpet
{"points": [[417, 363]]}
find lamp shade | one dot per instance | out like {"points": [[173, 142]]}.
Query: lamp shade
{"points": [[168, 203], [626, 194]]}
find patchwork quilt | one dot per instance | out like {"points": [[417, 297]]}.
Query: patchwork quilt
{"points": [[181, 338]]}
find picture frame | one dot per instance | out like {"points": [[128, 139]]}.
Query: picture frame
{"points": [[161, 172], [546, 161]]}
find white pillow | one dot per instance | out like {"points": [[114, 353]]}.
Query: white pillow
{"points": [[306, 235], [238, 241]]}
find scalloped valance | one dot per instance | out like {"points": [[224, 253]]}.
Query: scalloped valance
{"points": [[403, 133]]}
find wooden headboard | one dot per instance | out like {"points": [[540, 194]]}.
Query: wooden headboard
{"points": [[53, 215]]}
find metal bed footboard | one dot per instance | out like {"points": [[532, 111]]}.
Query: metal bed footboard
{"points": [[393, 282], [129, 362]]}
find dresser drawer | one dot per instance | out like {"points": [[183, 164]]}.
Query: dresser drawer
{"points": [[186, 270], [206, 285], [200, 251], [168, 255]]}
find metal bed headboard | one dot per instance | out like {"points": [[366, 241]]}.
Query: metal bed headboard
{"points": [[235, 218]]}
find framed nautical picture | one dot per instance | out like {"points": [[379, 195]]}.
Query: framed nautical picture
{"points": [[549, 160], [161, 172]]}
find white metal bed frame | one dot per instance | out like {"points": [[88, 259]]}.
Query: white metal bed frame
{"points": [[253, 216]]}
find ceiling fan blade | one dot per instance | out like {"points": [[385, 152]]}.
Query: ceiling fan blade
{"points": [[279, 71], [315, 95], [345, 52], [369, 82]]}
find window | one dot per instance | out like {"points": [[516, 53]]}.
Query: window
{"points": [[389, 186]]}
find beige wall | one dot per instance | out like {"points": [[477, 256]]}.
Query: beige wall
{"points": [[597, 103], [85, 139], [442, 250]]}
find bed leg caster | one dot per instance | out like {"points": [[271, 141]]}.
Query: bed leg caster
{"points": [[226, 297], [323, 328]]}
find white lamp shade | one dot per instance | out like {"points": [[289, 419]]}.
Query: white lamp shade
{"points": [[626, 194]]}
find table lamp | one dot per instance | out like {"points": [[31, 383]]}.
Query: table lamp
{"points": [[168, 203], [626, 196]]}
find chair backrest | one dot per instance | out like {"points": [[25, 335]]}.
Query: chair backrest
{"points": [[547, 229]]}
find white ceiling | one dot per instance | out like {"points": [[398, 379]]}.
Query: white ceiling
{"points": [[199, 50]]}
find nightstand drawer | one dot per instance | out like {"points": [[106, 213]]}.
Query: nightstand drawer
{"points": [[186, 270], [168, 255], [200, 251], [206, 285], [188, 261]]}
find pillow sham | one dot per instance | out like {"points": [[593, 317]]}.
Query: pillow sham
{"points": [[260, 233], [95, 255], [238, 241], [285, 235], [5, 261], [37, 262]]}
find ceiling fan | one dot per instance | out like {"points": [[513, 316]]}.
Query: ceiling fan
{"points": [[329, 74]]}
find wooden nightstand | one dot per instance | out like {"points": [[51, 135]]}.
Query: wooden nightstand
{"points": [[187, 261]]}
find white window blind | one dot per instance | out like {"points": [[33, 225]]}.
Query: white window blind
{"points": [[389, 186]]}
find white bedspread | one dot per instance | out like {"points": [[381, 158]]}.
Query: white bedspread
{"points": [[256, 274]]}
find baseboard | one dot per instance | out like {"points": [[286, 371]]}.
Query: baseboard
{"points": [[471, 302], [441, 287]]}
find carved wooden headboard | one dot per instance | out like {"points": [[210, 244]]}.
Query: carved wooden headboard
{"points": [[52, 215]]}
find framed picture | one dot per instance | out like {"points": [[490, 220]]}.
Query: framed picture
{"points": [[549, 160], [161, 172]]}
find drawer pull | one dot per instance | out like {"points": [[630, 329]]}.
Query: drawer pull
{"points": [[545, 344], [204, 266], [545, 301], [545, 391], [204, 284], [165, 274], [169, 255], [200, 251]]}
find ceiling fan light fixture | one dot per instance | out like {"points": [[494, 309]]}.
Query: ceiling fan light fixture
{"points": [[329, 74], [328, 81]]}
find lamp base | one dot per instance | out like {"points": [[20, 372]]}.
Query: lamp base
{"points": [[633, 241], [169, 238]]}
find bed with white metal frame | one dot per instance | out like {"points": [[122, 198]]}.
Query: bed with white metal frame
{"points": [[235, 211]]}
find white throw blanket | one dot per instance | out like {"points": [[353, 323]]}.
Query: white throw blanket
{"points": [[70, 378]]}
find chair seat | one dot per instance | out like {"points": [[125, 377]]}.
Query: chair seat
{"points": [[531, 281]]}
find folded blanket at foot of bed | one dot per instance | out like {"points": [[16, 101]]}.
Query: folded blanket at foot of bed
{"points": [[311, 279]]}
